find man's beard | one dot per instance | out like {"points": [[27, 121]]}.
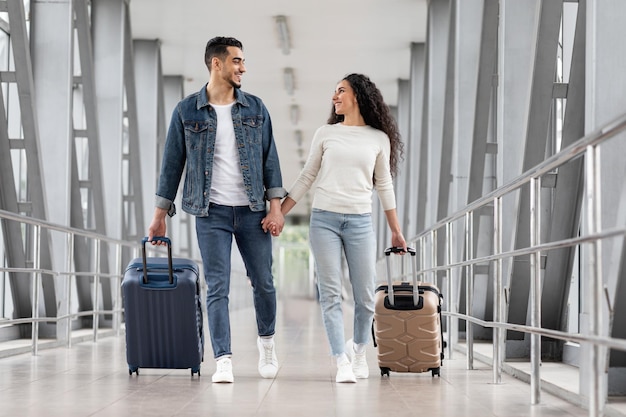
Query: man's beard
{"points": [[234, 84]]}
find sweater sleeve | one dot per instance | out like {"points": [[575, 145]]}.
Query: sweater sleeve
{"points": [[382, 175], [311, 168]]}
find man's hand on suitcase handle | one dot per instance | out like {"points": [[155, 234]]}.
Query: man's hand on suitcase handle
{"points": [[158, 226]]}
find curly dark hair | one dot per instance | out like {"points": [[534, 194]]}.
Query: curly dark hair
{"points": [[375, 113], [218, 46]]}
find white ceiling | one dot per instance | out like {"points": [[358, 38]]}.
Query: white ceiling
{"points": [[329, 39]]}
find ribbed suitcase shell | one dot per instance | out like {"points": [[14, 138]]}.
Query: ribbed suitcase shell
{"points": [[407, 323], [408, 340], [163, 320]]}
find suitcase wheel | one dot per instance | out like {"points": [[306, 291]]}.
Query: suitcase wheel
{"points": [[384, 371], [436, 371], [132, 369], [195, 370]]}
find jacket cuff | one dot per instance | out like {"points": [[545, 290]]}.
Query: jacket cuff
{"points": [[277, 192], [164, 203]]}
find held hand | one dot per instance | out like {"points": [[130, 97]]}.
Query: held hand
{"points": [[274, 223], [274, 229]]}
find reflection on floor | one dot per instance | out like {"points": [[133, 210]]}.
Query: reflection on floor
{"points": [[92, 380]]}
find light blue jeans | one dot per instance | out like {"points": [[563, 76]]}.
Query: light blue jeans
{"points": [[330, 234]]}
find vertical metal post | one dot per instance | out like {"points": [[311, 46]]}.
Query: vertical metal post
{"points": [[450, 286], [594, 286], [35, 290], [535, 290], [433, 255], [117, 316], [498, 299], [469, 286], [68, 289], [422, 278], [96, 292]]}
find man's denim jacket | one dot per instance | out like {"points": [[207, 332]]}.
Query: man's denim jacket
{"points": [[191, 140]]}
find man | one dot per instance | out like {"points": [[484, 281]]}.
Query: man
{"points": [[225, 138]]}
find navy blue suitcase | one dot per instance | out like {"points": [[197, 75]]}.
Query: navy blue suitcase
{"points": [[163, 313]]}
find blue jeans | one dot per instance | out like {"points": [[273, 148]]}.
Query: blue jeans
{"points": [[215, 235], [330, 233]]}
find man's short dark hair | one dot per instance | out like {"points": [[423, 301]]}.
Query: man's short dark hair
{"points": [[218, 47]]}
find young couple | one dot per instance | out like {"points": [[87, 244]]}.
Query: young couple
{"points": [[230, 175]]}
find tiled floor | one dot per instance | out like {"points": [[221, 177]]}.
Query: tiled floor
{"points": [[92, 380]]}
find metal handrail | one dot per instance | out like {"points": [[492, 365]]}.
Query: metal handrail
{"points": [[610, 342], [20, 218], [586, 146], [37, 272], [567, 154], [556, 244]]}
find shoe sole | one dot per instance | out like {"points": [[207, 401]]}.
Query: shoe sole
{"points": [[361, 375], [268, 375], [222, 381], [346, 377]]}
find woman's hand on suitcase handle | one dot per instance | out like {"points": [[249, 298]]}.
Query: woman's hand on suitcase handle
{"points": [[398, 241]]}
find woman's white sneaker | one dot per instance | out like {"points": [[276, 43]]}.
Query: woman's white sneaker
{"points": [[358, 360], [344, 370]]}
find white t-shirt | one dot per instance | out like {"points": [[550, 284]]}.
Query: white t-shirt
{"points": [[227, 181], [342, 163]]}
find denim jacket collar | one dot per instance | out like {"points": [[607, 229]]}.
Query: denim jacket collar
{"points": [[203, 99]]}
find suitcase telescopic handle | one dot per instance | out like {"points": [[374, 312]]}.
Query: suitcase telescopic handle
{"points": [[412, 252], [169, 257]]}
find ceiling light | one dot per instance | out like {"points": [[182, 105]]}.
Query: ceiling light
{"points": [[289, 80], [283, 34], [294, 113]]}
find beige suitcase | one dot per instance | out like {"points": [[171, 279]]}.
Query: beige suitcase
{"points": [[407, 325]]}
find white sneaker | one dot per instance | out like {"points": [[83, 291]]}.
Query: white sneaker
{"points": [[359, 363], [268, 364], [344, 372], [224, 371]]}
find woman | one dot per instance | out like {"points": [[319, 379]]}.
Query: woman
{"points": [[357, 150]]}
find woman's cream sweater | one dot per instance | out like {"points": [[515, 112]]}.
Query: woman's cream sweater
{"points": [[342, 165]]}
